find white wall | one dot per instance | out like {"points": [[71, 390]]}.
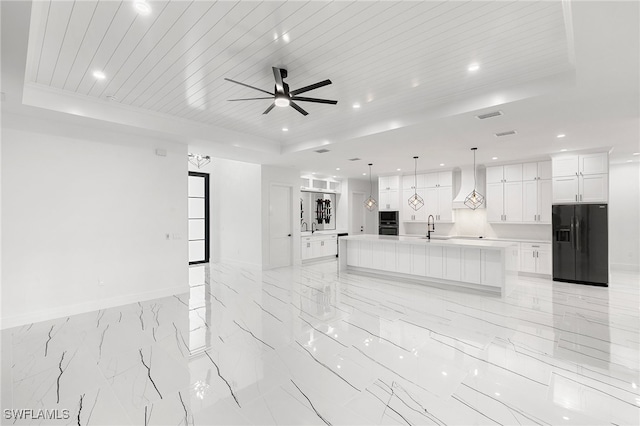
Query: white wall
{"points": [[371, 217], [82, 206], [624, 216], [234, 203], [288, 177]]}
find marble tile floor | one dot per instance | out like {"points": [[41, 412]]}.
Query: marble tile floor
{"points": [[310, 345]]}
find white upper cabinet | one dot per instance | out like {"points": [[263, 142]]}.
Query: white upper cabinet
{"points": [[582, 178], [583, 164], [508, 173], [412, 181], [388, 182], [536, 171], [437, 179]]}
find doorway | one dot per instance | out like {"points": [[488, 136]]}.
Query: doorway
{"points": [[280, 225], [357, 213], [198, 214]]}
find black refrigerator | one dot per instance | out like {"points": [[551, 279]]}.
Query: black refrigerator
{"points": [[580, 244]]}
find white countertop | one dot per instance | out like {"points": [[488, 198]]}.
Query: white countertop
{"points": [[465, 237], [323, 232], [458, 242]]}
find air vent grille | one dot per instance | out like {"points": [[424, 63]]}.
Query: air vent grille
{"points": [[507, 133], [321, 151], [489, 115], [355, 159]]}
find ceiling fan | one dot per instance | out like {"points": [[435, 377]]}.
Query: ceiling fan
{"points": [[282, 97]]}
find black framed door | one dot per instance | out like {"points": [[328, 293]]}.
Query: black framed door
{"points": [[198, 218]]}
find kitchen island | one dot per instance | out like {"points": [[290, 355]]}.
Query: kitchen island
{"points": [[479, 264]]}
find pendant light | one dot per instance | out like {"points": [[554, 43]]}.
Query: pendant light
{"points": [[371, 202], [199, 160], [415, 201], [474, 199]]}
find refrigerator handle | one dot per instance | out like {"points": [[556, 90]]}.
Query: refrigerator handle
{"points": [[578, 234], [573, 233]]}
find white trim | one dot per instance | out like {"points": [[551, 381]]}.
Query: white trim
{"points": [[627, 267], [94, 305]]}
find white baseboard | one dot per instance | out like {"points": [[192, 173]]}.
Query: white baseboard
{"points": [[241, 264], [627, 267], [90, 306]]}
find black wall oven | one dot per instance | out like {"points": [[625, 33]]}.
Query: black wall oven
{"points": [[388, 223]]}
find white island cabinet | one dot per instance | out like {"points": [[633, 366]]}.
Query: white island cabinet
{"points": [[485, 265]]}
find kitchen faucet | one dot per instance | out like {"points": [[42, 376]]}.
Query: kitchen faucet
{"points": [[312, 225], [431, 226], [306, 227]]}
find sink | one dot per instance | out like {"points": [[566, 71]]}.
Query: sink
{"points": [[438, 237]]}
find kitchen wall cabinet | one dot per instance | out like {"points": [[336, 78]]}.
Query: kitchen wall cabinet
{"points": [[504, 202], [536, 201], [436, 191], [501, 174], [581, 178], [535, 258], [409, 214], [318, 246], [388, 193], [536, 171]]}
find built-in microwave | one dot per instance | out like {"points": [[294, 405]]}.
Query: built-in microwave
{"points": [[388, 218]]}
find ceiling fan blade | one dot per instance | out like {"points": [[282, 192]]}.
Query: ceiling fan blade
{"points": [[297, 108], [249, 99], [270, 108], [251, 87], [277, 74], [320, 101], [311, 87]]}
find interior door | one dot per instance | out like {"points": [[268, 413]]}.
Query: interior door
{"points": [[280, 226], [198, 212], [357, 213]]}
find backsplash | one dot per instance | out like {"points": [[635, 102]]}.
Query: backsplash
{"points": [[474, 223]]}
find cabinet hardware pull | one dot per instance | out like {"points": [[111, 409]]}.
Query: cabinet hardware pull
{"points": [[535, 246], [576, 197], [580, 197]]}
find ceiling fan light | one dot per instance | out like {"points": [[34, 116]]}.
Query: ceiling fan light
{"points": [[282, 101]]}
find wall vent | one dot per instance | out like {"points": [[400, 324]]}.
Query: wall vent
{"points": [[355, 159], [489, 115], [507, 133], [321, 151]]}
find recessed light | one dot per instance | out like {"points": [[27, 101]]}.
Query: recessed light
{"points": [[441, 164], [356, 106], [561, 135], [337, 168], [565, 417], [142, 7], [473, 67], [636, 153], [398, 169], [629, 161], [444, 373], [284, 129], [335, 176], [313, 173], [364, 174], [99, 75], [494, 158], [563, 150]]}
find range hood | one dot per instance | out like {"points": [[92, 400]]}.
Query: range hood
{"points": [[464, 181]]}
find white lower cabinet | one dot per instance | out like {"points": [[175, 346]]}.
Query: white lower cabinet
{"points": [[317, 246], [471, 265], [463, 264], [452, 265], [536, 258]]}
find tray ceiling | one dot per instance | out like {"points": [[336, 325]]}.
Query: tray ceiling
{"points": [[393, 58]]}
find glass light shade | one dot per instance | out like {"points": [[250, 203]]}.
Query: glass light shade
{"points": [[282, 101], [474, 200], [370, 203], [199, 160], [416, 202]]}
